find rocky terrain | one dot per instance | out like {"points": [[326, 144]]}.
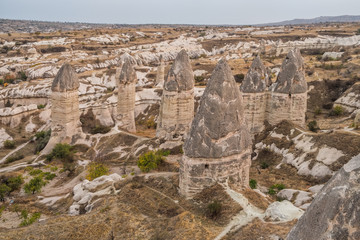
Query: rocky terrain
{"points": [[102, 91]]}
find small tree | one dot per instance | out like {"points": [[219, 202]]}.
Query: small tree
{"points": [[34, 185], [150, 160], [313, 126], [15, 182], [337, 110], [253, 183]]}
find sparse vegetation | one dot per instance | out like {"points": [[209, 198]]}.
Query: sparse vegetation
{"points": [[264, 165], [28, 220], [40, 106], [96, 170], [313, 126], [276, 188], [14, 158], [42, 139], [151, 160], [9, 144], [100, 129], [337, 111], [253, 183], [4, 190], [214, 209], [65, 153]]}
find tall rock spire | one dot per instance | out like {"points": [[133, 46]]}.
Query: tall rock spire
{"points": [[177, 102], [126, 96], [219, 143], [256, 79], [291, 78]]}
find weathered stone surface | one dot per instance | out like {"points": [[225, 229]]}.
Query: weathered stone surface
{"points": [[180, 76], [177, 102], [256, 79], [65, 114], [335, 211], [160, 75], [219, 128], [65, 80], [291, 78], [126, 97], [218, 147]]}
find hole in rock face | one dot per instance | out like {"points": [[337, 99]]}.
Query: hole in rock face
{"points": [[206, 166]]}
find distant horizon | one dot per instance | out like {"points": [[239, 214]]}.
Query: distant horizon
{"points": [[200, 24], [187, 12]]}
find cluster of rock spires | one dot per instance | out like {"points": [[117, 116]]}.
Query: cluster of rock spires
{"points": [[218, 144], [286, 99]]}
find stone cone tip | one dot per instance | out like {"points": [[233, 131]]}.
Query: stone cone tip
{"points": [[65, 80], [128, 73]]}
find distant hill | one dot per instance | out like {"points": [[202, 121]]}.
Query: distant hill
{"points": [[323, 19]]}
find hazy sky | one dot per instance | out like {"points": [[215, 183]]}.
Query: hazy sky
{"points": [[175, 11]]}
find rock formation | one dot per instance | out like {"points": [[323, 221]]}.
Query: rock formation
{"points": [[126, 97], [218, 146], [254, 95], [65, 115], [160, 75], [288, 100], [177, 103], [335, 211]]}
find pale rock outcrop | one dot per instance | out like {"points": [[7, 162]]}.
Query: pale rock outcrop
{"points": [[177, 102], [332, 55], [283, 211], [126, 97], [335, 211], [160, 75], [218, 146], [255, 96], [3, 137], [65, 114], [350, 99], [288, 98]]}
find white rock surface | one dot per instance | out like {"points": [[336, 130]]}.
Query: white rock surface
{"points": [[283, 211], [3, 137]]}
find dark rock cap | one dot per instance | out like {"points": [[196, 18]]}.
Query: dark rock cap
{"points": [[335, 211], [127, 74], [218, 129], [180, 76], [256, 79], [291, 78], [65, 80]]}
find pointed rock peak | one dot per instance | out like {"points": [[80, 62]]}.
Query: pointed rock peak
{"points": [[161, 59], [218, 129], [65, 80], [256, 79], [180, 76], [127, 56], [291, 78], [127, 74]]}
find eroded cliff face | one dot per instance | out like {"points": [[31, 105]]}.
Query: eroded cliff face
{"points": [[219, 142], [334, 213], [177, 102]]}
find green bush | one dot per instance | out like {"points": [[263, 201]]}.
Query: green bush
{"points": [[264, 165], [100, 129], [49, 176], [96, 170], [22, 75], [40, 106], [9, 144], [34, 185], [214, 209], [253, 183], [1, 82], [14, 158], [35, 172], [276, 188], [313, 126], [62, 151], [42, 139], [337, 110], [150, 160], [318, 111], [15, 182], [4, 190], [28, 221]]}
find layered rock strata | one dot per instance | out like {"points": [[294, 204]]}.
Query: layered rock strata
{"points": [[335, 211], [177, 102], [255, 96], [126, 97], [218, 147]]}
